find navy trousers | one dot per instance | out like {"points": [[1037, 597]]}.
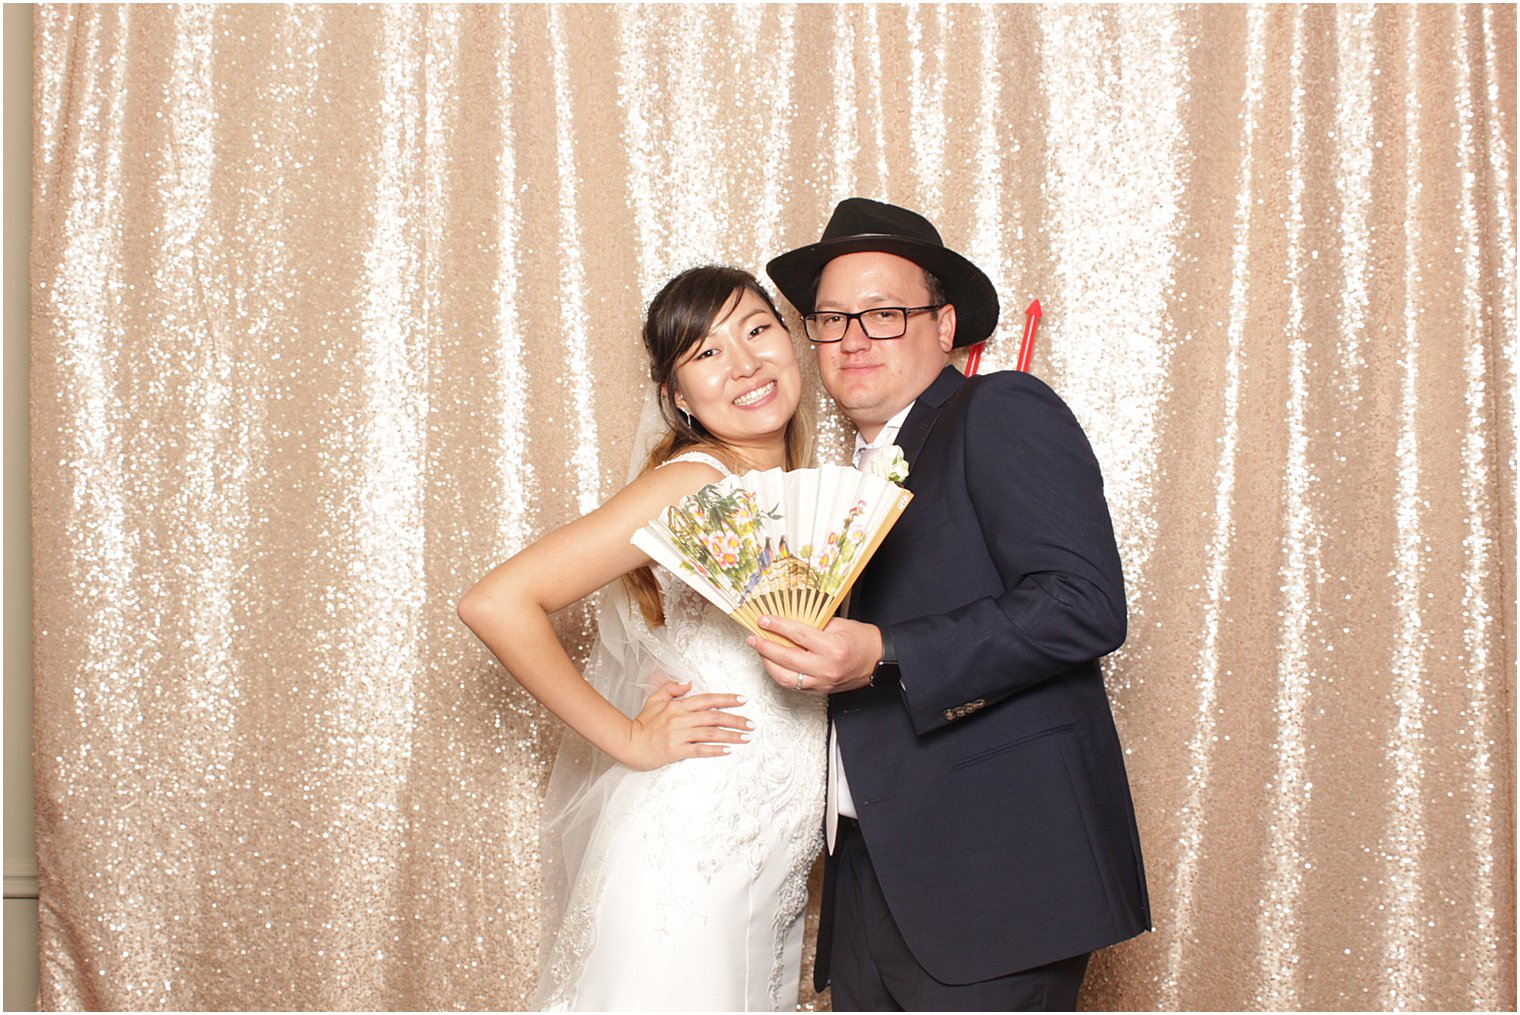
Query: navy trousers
{"points": [[873, 970]]}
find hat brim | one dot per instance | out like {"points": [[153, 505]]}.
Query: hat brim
{"points": [[966, 286]]}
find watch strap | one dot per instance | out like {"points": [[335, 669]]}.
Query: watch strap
{"points": [[886, 671]]}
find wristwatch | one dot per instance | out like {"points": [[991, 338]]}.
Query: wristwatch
{"points": [[886, 671]]}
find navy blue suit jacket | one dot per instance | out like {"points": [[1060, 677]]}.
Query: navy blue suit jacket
{"points": [[990, 786]]}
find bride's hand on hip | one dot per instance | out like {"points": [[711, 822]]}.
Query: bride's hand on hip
{"points": [[673, 727]]}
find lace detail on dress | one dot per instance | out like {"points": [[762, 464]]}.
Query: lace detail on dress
{"points": [[714, 646], [574, 940], [807, 839]]}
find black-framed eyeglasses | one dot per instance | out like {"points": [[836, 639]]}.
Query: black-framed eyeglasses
{"points": [[877, 323]]}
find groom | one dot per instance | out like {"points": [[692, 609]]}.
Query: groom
{"points": [[982, 842]]}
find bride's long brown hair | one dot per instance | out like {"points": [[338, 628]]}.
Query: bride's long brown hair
{"points": [[679, 316]]}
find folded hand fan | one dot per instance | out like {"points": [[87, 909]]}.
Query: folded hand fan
{"points": [[787, 544]]}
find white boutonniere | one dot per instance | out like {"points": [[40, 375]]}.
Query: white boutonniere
{"points": [[890, 464]]}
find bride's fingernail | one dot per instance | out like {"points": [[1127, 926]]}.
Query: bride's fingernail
{"points": [[765, 622], [743, 700], [744, 737], [726, 750], [748, 725]]}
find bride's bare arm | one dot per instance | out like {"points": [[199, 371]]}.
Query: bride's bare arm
{"points": [[509, 610]]}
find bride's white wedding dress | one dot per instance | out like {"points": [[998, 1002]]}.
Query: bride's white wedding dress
{"points": [[684, 887]]}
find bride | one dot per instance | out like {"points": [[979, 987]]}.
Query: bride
{"points": [[685, 808]]}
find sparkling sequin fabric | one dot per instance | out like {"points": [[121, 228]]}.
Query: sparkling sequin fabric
{"points": [[335, 307]]}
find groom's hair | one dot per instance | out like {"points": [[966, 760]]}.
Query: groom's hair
{"points": [[936, 291]]}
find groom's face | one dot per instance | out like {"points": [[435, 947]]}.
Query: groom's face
{"points": [[873, 379]]}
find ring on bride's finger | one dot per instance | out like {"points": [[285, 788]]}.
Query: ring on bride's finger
{"points": [[800, 679]]}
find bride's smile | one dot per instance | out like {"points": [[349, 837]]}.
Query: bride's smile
{"points": [[754, 397]]}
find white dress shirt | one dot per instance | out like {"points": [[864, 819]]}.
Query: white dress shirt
{"points": [[839, 800]]}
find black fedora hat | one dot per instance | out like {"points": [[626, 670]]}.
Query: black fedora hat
{"points": [[858, 224]]}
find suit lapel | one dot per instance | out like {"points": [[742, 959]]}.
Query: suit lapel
{"points": [[915, 429], [926, 411]]}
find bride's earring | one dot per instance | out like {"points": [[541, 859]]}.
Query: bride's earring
{"points": [[688, 419]]}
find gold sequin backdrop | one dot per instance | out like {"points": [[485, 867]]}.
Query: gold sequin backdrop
{"points": [[336, 307]]}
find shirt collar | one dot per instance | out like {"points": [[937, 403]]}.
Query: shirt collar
{"points": [[889, 431]]}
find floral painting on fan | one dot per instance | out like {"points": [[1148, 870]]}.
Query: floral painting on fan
{"points": [[783, 543], [718, 532]]}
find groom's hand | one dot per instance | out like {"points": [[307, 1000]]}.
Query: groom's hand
{"points": [[841, 657]]}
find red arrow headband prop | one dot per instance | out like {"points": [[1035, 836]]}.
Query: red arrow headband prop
{"points": [[1026, 347]]}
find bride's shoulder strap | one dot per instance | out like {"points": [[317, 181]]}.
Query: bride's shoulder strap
{"points": [[697, 456]]}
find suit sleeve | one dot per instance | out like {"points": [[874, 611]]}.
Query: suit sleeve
{"points": [[1037, 493]]}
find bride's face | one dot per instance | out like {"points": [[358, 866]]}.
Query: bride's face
{"points": [[741, 379]]}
